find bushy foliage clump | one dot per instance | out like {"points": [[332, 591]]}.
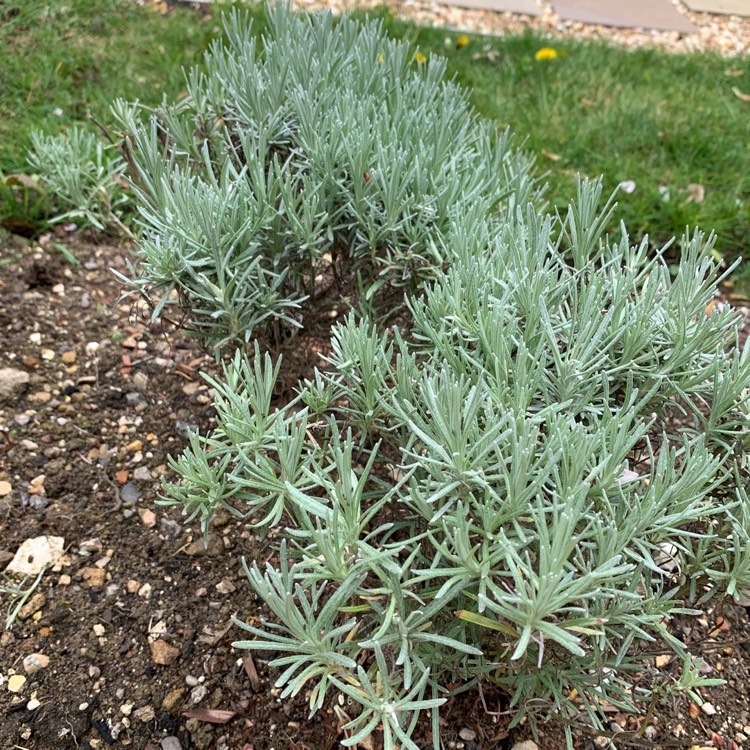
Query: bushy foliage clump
{"points": [[520, 490], [84, 176], [327, 153]]}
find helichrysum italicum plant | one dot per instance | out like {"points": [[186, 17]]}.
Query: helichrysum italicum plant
{"points": [[323, 154], [521, 490]]}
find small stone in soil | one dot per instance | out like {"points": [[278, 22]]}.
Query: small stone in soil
{"points": [[145, 714], [35, 662], [40, 397], [36, 554], [90, 546], [225, 586], [199, 549], [16, 683], [38, 502], [145, 591], [169, 527], [37, 485], [468, 735], [525, 745], [5, 488], [164, 654], [198, 693], [171, 743], [140, 381], [133, 398], [116, 730], [184, 429], [32, 606], [142, 474], [130, 494], [94, 577], [12, 382], [708, 708], [148, 517]]}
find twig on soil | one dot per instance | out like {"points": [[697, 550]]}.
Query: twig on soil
{"points": [[118, 500], [80, 429]]}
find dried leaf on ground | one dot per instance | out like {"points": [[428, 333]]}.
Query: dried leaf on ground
{"points": [[252, 673]]}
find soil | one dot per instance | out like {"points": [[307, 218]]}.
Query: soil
{"points": [[135, 619]]}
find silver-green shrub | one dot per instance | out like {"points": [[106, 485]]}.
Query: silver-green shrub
{"points": [[84, 175], [326, 152], [523, 489]]}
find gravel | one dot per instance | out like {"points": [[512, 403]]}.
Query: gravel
{"points": [[727, 35]]}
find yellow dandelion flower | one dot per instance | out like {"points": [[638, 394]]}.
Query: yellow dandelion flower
{"points": [[462, 41], [380, 58], [420, 58], [546, 53]]}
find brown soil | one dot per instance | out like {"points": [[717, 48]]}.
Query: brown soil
{"points": [[109, 399]]}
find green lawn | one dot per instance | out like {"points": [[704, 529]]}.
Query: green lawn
{"points": [[664, 122], [64, 59]]}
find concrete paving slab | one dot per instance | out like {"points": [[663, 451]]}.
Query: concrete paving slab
{"points": [[648, 14], [723, 7], [525, 7]]}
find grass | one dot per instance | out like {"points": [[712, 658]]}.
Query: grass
{"points": [[665, 122], [64, 60]]}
